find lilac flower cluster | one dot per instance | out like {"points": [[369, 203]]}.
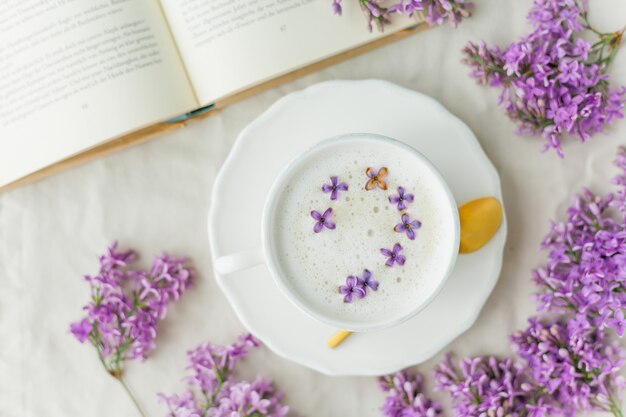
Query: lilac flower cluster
{"points": [[576, 369], [487, 386], [405, 397], [585, 274], [127, 304], [213, 391], [568, 361], [434, 12], [357, 287], [553, 81]]}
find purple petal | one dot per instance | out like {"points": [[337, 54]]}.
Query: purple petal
{"points": [[394, 199], [343, 186], [359, 292], [333, 180], [400, 259], [401, 206], [401, 191], [344, 289], [416, 224], [373, 285], [390, 261], [318, 227], [399, 227], [327, 188], [410, 233], [409, 198], [316, 214], [366, 274], [333, 194], [327, 213], [385, 252], [329, 225], [348, 297], [405, 218], [397, 248], [351, 281]]}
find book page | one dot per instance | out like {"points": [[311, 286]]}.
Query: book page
{"points": [[229, 45], [75, 73]]}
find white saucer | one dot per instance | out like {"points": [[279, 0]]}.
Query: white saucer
{"points": [[293, 124]]}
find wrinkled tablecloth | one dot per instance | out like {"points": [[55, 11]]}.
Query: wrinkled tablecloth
{"points": [[156, 197]]}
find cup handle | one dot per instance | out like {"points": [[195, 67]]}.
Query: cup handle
{"points": [[239, 261]]}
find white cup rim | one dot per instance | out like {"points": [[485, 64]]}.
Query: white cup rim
{"points": [[272, 259]]}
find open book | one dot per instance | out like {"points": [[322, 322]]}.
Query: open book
{"points": [[76, 74]]}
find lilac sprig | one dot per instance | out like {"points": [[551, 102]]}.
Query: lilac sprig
{"points": [[553, 82], [127, 304], [487, 386], [434, 12], [575, 369], [213, 391], [405, 397], [125, 308], [585, 277]]}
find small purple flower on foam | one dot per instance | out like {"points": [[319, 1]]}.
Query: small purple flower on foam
{"points": [[322, 220], [394, 255], [367, 281], [337, 7], [401, 198], [333, 188], [353, 288], [407, 226]]}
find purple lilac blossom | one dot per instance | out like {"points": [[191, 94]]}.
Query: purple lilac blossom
{"points": [[433, 12], [213, 391], [405, 397], [322, 220], [353, 288], [487, 386], [578, 370], [333, 188], [553, 82], [401, 198], [366, 281], [407, 226], [394, 256], [127, 304], [336, 6], [585, 275]]}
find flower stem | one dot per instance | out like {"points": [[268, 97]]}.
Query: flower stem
{"points": [[130, 393], [617, 412]]}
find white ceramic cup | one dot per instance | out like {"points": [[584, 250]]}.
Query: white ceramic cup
{"points": [[267, 254]]}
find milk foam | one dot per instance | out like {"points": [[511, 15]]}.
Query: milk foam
{"points": [[316, 264]]}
